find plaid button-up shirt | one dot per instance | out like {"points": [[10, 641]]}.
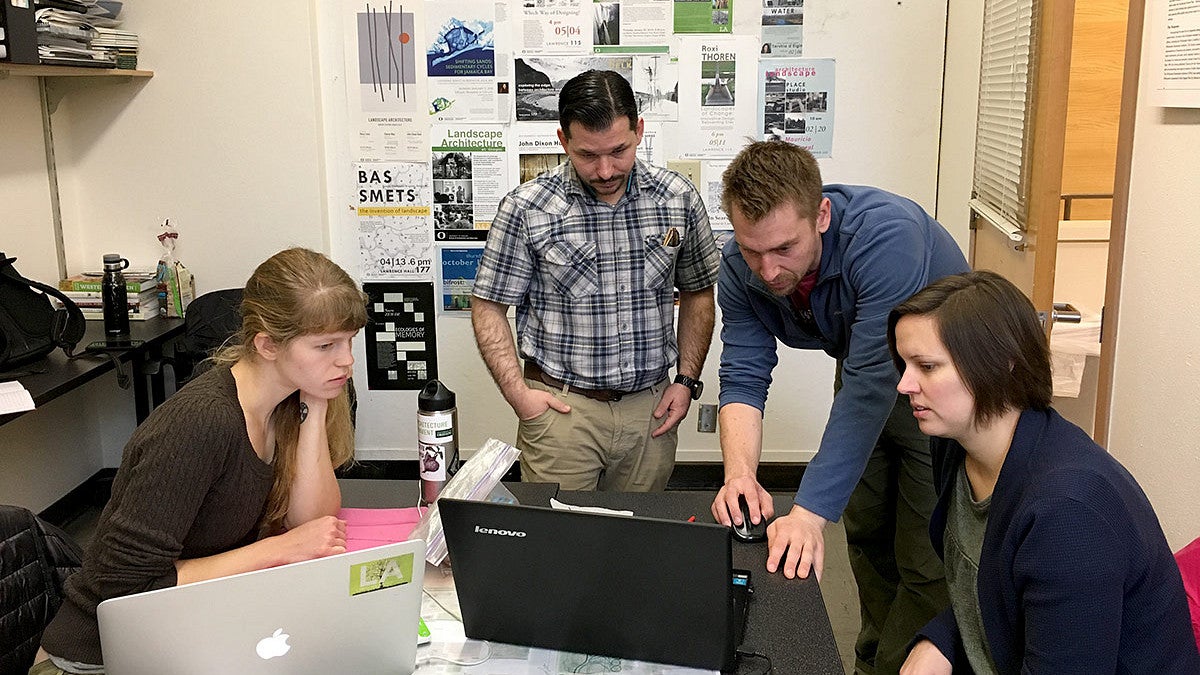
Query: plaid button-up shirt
{"points": [[594, 283]]}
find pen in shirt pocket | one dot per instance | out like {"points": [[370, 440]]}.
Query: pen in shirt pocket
{"points": [[671, 238]]}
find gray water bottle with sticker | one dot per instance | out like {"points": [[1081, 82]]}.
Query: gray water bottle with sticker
{"points": [[437, 438]]}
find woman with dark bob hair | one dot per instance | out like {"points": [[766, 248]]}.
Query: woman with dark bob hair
{"points": [[1055, 560]]}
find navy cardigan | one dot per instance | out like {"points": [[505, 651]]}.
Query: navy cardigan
{"points": [[1075, 574]]}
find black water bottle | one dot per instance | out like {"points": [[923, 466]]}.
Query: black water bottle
{"points": [[115, 296]]}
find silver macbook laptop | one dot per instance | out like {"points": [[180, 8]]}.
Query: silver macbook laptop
{"points": [[351, 613]]}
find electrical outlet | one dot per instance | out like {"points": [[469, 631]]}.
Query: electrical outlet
{"points": [[706, 421]]}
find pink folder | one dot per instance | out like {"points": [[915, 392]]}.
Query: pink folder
{"points": [[366, 528]]}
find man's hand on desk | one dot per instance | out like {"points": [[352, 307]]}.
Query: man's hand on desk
{"points": [[725, 507], [801, 535]]}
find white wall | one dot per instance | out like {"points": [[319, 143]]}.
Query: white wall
{"points": [[1154, 429]]}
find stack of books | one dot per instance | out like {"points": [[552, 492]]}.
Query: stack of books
{"points": [[85, 291], [71, 32]]}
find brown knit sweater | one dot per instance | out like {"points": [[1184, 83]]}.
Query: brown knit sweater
{"points": [[190, 485]]}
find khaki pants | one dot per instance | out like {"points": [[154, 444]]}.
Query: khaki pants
{"points": [[598, 446]]}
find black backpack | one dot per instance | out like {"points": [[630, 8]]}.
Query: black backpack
{"points": [[30, 327]]}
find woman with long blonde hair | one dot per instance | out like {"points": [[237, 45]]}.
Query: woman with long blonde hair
{"points": [[235, 472]]}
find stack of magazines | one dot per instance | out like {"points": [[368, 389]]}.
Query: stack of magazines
{"points": [[84, 33]]}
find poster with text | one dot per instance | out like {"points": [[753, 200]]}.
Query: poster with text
{"points": [[656, 86], [536, 149], [459, 266], [1174, 46], [716, 94], [796, 103], [651, 150], [554, 26], [462, 60], [400, 334], [703, 16], [392, 206], [539, 80], [385, 83], [782, 28], [710, 191], [625, 26], [470, 177]]}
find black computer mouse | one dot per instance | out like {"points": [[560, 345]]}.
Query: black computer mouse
{"points": [[748, 531]]}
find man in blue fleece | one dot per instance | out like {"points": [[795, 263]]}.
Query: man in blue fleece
{"points": [[820, 267]]}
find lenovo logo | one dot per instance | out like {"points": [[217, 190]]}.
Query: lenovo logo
{"points": [[500, 533]]}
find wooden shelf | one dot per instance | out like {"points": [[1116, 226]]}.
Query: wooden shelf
{"points": [[29, 70]]}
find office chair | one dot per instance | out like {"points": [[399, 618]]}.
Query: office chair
{"points": [[35, 559], [209, 321], [1188, 559]]}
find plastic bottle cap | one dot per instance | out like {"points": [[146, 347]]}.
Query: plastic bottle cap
{"points": [[435, 396]]}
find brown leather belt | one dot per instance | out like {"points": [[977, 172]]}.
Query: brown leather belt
{"points": [[534, 372]]}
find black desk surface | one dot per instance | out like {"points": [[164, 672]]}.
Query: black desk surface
{"points": [[62, 374], [787, 622]]}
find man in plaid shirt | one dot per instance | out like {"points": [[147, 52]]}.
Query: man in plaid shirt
{"points": [[590, 253]]}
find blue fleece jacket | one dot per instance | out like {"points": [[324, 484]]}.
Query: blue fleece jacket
{"points": [[880, 248], [1075, 575]]}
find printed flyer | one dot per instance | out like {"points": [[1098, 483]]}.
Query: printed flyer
{"points": [[538, 81], [385, 87], [459, 266], [656, 86], [555, 26], [400, 335], [716, 94], [704, 16], [393, 220], [624, 26], [537, 150], [710, 191], [463, 64], [470, 177], [782, 28], [796, 103]]}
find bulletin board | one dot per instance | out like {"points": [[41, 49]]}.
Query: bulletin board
{"points": [[434, 110]]}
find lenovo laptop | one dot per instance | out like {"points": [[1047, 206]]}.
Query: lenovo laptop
{"points": [[636, 588], [351, 613]]}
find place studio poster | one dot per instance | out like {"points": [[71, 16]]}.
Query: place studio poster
{"points": [[401, 340], [796, 103]]}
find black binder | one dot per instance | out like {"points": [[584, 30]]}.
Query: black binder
{"points": [[18, 34]]}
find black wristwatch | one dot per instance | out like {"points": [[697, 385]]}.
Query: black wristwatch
{"points": [[696, 386]]}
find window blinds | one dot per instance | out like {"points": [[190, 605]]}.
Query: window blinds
{"points": [[1000, 188]]}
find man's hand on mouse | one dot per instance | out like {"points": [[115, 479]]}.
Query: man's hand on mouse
{"points": [[801, 536], [725, 507]]}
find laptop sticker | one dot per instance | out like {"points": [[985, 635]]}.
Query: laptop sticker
{"points": [[375, 575]]}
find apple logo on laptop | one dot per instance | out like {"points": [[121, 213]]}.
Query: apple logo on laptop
{"points": [[273, 645]]}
